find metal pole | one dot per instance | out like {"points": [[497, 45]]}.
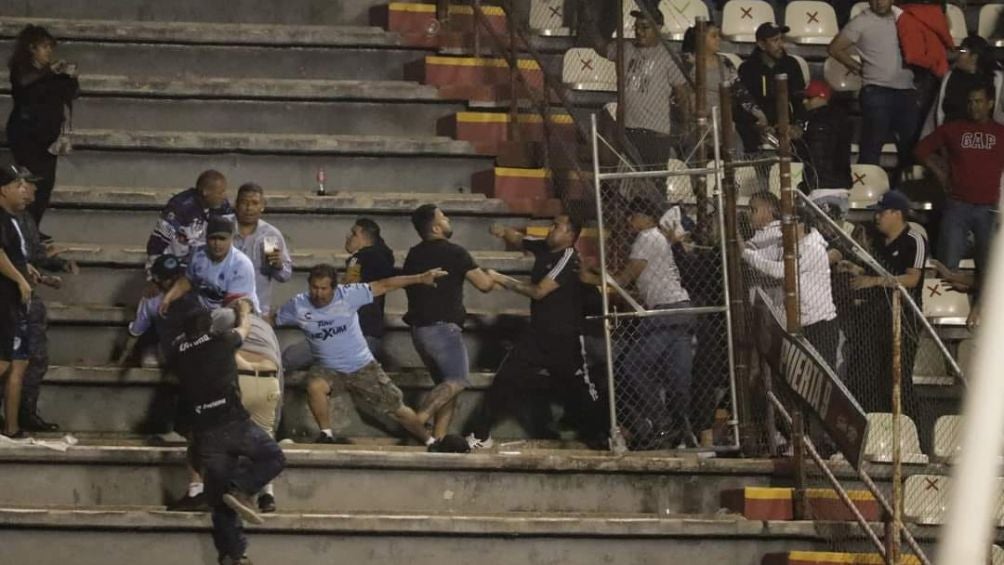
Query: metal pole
{"points": [[442, 11], [880, 498], [728, 282], [621, 99], [617, 444], [800, 502], [897, 452], [741, 405], [789, 226], [701, 111], [514, 130]]}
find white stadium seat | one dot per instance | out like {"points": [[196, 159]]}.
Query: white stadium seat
{"points": [[926, 499], [990, 23], [804, 66], [678, 188], [811, 22], [956, 23], [947, 438], [943, 306], [840, 77], [857, 8], [734, 58], [547, 17], [584, 69], [740, 18], [775, 177], [868, 184], [929, 365], [996, 555], [878, 441], [678, 16]]}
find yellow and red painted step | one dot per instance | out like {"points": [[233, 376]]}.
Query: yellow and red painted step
{"points": [[830, 558], [489, 131], [772, 503], [525, 191], [420, 18], [454, 70]]}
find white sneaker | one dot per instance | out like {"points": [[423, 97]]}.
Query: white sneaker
{"points": [[476, 443]]}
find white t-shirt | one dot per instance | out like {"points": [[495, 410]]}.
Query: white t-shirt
{"points": [[659, 283], [815, 294]]}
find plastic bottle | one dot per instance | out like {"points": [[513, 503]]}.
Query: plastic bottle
{"points": [[320, 182]]}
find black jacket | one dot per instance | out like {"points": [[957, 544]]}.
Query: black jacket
{"points": [[758, 78], [825, 149], [39, 99]]}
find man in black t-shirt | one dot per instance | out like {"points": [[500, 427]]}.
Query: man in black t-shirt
{"points": [[554, 342], [15, 292], [903, 253], [436, 313], [371, 260], [223, 431]]}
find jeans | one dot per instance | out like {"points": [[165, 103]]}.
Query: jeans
{"points": [[235, 455], [960, 218], [443, 351], [658, 360], [888, 112], [38, 355]]}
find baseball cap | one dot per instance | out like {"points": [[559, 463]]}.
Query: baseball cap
{"points": [[768, 30], [818, 89], [657, 16], [10, 173], [892, 200], [219, 225], [165, 267]]}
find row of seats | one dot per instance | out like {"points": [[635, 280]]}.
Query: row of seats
{"points": [[812, 22]]}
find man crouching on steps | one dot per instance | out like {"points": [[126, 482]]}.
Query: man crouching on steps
{"points": [[222, 428]]}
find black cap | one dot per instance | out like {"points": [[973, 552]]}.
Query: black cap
{"points": [[219, 225], [892, 200], [11, 173], [165, 267], [656, 13], [768, 30]]}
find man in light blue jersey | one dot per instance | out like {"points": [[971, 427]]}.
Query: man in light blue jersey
{"points": [[219, 272], [327, 314]]}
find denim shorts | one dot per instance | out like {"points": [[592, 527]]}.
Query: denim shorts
{"points": [[441, 347]]}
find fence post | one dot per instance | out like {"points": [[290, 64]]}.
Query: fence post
{"points": [[894, 539], [737, 295], [789, 235], [800, 502], [619, 39]]}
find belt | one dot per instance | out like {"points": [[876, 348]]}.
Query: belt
{"points": [[257, 373]]}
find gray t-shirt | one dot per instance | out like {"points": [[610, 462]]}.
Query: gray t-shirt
{"points": [[265, 274], [649, 81], [877, 41]]}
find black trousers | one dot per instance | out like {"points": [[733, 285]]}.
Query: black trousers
{"points": [[825, 337], [38, 351], [38, 160], [519, 380]]}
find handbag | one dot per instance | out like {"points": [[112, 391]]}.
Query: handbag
{"points": [[63, 145]]}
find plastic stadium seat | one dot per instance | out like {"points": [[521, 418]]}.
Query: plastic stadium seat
{"points": [[964, 355], [942, 306], [947, 438], [678, 189], [775, 177], [747, 181], [804, 65], [547, 17], [681, 14], [584, 69], [996, 555], [878, 442], [840, 77], [990, 23], [869, 183], [857, 8], [733, 57], [925, 499], [929, 366], [740, 18], [956, 23], [811, 22]]}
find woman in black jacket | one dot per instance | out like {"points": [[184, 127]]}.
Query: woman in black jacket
{"points": [[42, 88]]}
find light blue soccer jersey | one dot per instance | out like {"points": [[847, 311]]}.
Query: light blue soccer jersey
{"points": [[333, 333], [219, 283]]}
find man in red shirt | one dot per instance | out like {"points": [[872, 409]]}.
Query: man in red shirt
{"points": [[974, 149]]}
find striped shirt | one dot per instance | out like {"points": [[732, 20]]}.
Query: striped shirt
{"points": [[560, 312]]}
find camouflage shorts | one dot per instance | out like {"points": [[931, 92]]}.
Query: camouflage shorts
{"points": [[370, 387]]}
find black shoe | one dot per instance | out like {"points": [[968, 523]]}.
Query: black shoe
{"points": [[20, 434], [242, 560], [451, 443], [187, 503], [244, 505], [266, 503], [44, 237], [338, 440], [35, 423]]}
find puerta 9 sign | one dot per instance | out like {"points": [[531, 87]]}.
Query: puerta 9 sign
{"points": [[797, 365]]}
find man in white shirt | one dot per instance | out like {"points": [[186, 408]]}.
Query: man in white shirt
{"points": [[818, 313], [661, 354]]}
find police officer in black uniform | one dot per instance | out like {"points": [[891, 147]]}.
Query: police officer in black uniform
{"points": [[222, 429]]}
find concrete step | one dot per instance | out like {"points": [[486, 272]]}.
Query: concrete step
{"points": [[260, 116], [303, 258], [144, 401], [293, 12], [129, 165], [518, 477], [169, 539], [299, 229], [302, 199], [203, 33], [93, 335], [124, 287], [362, 62]]}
